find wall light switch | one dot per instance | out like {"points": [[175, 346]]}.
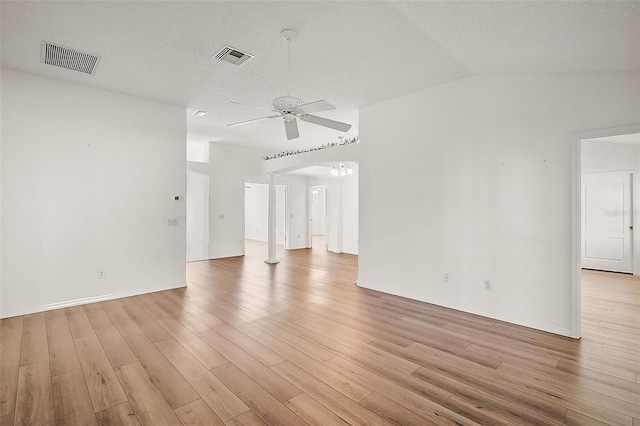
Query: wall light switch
{"points": [[172, 222], [221, 216]]}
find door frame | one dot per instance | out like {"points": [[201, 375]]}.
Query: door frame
{"points": [[576, 218], [311, 189]]}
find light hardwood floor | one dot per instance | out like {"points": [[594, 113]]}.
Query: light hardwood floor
{"points": [[248, 343]]}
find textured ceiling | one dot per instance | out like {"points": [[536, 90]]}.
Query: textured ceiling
{"points": [[533, 36], [352, 54]]}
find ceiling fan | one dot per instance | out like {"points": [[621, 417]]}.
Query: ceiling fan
{"points": [[290, 108]]}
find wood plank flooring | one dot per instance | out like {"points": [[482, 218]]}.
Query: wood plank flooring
{"points": [[296, 343]]}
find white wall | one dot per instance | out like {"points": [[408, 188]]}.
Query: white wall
{"points": [[298, 209], [229, 167], [198, 151], [88, 178], [473, 179], [197, 222], [256, 206], [256, 212]]}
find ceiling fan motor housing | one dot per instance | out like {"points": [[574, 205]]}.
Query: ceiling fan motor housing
{"points": [[290, 108], [287, 104]]}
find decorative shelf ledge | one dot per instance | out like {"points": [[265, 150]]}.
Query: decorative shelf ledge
{"points": [[343, 141]]}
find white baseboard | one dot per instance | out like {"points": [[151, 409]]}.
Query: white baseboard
{"points": [[59, 305], [525, 322], [512, 319]]}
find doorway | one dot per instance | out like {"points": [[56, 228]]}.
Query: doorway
{"points": [[319, 217], [605, 184], [607, 228]]}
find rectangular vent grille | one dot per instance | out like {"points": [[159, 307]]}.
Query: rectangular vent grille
{"points": [[233, 56], [70, 59]]}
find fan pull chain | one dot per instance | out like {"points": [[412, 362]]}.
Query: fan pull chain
{"points": [[288, 36], [288, 66]]}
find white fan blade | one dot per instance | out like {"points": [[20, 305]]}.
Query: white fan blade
{"points": [[253, 106], [251, 121], [337, 125], [316, 106], [292, 129]]}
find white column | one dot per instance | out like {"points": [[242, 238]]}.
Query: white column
{"points": [[271, 257]]}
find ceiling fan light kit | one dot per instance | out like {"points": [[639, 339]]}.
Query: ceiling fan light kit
{"points": [[290, 107], [284, 103], [341, 170]]}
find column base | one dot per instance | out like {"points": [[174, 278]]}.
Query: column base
{"points": [[271, 261]]}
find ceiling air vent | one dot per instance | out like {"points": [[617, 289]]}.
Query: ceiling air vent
{"points": [[71, 59], [233, 56]]}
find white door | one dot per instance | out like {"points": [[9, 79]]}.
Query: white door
{"points": [[606, 221], [197, 206]]}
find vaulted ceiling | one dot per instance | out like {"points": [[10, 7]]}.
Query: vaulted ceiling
{"points": [[351, 54]]}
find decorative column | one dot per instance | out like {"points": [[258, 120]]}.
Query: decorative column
{"points": [[271, 257]]}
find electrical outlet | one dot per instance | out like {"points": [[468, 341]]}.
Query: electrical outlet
{"points": [[102, 274], [487, 285], [172, 222], [446, 278]]}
